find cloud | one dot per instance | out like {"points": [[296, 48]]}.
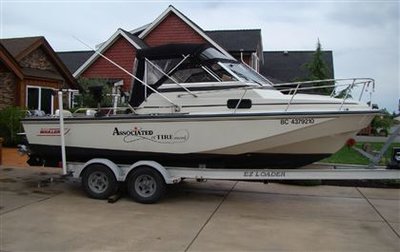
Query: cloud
{"points": [[372, 14], [90, 22]]}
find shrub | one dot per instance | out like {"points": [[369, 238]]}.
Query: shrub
{"points": [[10, 125], [382, 123]]}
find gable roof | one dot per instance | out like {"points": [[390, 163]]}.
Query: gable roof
{"points": [[189, 22], [135, 39], [230, 40], [74, 59], [21, 47], [7, 59], [287, 66], [132, 39], [139, 30], [245, 40], [237, 40]]}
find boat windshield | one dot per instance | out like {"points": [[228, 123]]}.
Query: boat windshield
{"points": [[191, 73], [209, 66], [244, 72], [211, 53], [202, 69]]}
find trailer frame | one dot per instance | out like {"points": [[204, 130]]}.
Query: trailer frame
{"points": [[173, 175], [146, 179]]}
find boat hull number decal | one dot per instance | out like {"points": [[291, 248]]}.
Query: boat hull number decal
{"points": [[289, 121]]}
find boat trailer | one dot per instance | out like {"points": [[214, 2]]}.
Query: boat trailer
{"points": [[146, 180]]}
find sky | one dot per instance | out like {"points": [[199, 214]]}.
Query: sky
{"points": [[363, 35]]}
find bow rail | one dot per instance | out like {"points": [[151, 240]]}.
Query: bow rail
{"points": [[339, 88]]}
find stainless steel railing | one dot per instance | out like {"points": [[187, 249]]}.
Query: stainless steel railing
{"points": [[345, 85]]}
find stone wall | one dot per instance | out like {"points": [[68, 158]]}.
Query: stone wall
{"points": [[37, 60], [8, 85]]}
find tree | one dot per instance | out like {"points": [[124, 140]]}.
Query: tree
{"points": [[86, 98], [318, 70]]}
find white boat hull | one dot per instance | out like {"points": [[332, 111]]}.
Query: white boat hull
{"points": [[202, 137]]}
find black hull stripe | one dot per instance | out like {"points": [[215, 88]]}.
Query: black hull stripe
{"points": [[248, 160]]}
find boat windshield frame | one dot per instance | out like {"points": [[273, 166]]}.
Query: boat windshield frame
{"points": [[214, 64]]}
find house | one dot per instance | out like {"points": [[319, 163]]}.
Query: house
{"points": [[174, 27], [74, 59], [289, 66], [243, 45], [170, 27], [30, 71]]}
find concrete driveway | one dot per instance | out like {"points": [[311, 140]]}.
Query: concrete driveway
{"points": [[211, 216]]}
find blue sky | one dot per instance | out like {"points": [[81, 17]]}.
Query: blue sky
{"points": [[363, 35]]}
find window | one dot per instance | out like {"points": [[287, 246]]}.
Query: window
{"points": [[189, 72], [246, 73], [212, 53], [243, 103], [38, 98], [192, 74]]}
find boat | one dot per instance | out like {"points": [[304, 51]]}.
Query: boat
{"points": [[192, 106]]}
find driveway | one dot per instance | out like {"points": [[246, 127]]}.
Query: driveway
{"points": [[42, 214]]}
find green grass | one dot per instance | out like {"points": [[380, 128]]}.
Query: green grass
{"points": [[347, 155]]}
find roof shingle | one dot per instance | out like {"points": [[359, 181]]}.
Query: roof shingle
{"points": [[73, 60], [289, 66], [237, 40], [16, 46]]}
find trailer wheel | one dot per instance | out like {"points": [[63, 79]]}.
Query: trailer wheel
{"points": [[146, 185], [99, 181]]}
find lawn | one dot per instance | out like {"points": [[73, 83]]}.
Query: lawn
{"points": [[347, 155]]}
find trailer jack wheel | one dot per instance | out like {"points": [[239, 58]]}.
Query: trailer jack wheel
{"points": [[99, 182], [145, 185]]}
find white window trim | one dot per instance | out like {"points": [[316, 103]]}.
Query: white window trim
{"points": [[254, 61], [71, 98]]}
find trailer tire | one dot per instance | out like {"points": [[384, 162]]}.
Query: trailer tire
{"points": [[146, 185], [99, 181]]}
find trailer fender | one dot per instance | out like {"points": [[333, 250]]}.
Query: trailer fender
{"points": [[164, 173], [111, 165]]}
